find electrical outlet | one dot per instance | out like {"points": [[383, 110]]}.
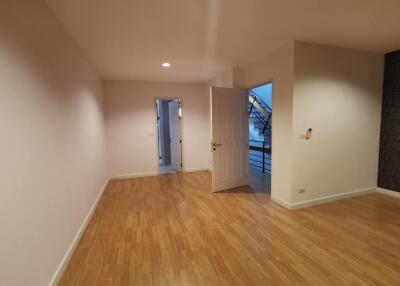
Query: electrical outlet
{"points": [[301, 191]]}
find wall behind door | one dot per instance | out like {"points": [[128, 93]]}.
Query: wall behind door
{"points": [[131, 125]]}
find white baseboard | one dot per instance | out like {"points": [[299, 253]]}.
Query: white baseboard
{"points": [[322, 200], [281, 202], [137, 175], [332, 198], [150, 174], [192, 170], [64, 262], [388, 192]]}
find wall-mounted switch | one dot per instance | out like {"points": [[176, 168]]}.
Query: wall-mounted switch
{"points": [[306, 136]]}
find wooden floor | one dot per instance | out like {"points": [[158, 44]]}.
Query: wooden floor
{"points": [[171, 230]]}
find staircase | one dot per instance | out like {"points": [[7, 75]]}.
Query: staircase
{"points": [[260, 116], [260, 120]]}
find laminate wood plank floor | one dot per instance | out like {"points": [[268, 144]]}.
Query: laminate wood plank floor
{"points": [[171, 230]]}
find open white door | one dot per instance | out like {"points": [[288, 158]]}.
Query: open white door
{"points": [[175, 135], [230, 136]]}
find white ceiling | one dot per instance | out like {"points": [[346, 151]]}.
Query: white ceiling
{"points": [[129, 39]]}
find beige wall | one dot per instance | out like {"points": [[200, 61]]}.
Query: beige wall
{"points": [[277, 68], [337, 92], [230, 78], [52, 136], [224, 79], [131, 125]]}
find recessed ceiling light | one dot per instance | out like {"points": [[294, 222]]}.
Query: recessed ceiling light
{"points": [[166, 65]]}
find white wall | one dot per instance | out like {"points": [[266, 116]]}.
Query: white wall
{"points": [[230, 78], [52, 136], [337, 92], [224, 79], [131, 125], [277, 67]]}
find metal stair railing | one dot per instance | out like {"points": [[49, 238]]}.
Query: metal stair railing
{"points": [[260, 155]]}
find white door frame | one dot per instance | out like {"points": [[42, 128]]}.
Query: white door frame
{"points": [[156, 130]]}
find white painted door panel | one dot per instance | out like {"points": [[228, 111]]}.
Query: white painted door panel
{"points": [[230, 135], [175, 135]]}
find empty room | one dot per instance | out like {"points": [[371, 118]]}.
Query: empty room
{"points": [[199, 142]]}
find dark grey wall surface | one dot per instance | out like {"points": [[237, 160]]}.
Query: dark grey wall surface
{"points": [[389, 150]]}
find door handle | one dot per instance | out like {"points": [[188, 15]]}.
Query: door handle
{"points": [[215, 145]]}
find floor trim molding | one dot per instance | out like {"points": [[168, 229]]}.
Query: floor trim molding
{"points": [[137, 175], [388, 192], [195, 170], [151, 174], [281, 202], [332, 198], [322, 200], [64, 262]]}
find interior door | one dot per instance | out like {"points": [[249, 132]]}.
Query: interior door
{"points": [[175, 135], [230, 136]]}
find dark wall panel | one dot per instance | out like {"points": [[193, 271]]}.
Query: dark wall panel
{"points": [[389, 150]]}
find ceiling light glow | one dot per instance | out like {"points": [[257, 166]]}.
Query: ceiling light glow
{"points": [[166, 65]]}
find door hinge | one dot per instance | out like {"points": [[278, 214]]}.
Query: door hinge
{"points": [[180, 141]]}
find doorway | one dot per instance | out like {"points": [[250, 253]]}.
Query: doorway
{"points": [[169, 115], [260, 136]]}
